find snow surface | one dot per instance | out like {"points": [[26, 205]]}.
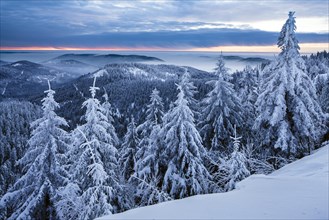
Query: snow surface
{"points": [[137, 71], [296, 191]]}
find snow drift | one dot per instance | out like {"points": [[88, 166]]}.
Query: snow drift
{"points": [[296, 191]]}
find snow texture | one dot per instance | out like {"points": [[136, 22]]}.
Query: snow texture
{"points": [[297, 191]]}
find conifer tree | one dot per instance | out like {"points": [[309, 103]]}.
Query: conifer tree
{"points": [[128, 151], [107, 111], [246, 86], [221, 110], [221, 70], [190, 90], [185, 174], [148, 154], [237, 165], [35, 194], [290, 119], [95, 161], [154, 114]]}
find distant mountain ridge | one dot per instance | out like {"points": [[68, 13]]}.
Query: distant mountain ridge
{"points": [[103, 59], [24, 78]]}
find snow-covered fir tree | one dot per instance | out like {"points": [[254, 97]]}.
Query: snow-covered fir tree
{"points": [[148, 154], [154, 114], [237, 165], [221, 110], [185, 174], [107, 111], [246, 86], [290, 120], [35, 194], [190, 90], [128, 151], [150, 172], [221, 70], [94, 161]]}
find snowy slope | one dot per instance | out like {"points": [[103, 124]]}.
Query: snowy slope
{"points": [[297, 191]]}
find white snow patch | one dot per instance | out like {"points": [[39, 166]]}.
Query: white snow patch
{"points": [[169, 75], [137, 71], [297, 191], [17, 64]]}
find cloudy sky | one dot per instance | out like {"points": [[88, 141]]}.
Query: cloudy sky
{"points": [[207, 25]]}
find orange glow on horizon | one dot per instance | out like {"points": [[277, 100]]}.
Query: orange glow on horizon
{"points": [[305, 48]]}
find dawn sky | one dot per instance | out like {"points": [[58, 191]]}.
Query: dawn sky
{"points": [[160, 25]]}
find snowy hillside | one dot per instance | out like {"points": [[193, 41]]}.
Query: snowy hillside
{"points": [[23, 78], [296, 191], [103, 59]]}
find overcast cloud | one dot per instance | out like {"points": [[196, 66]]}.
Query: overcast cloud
{"points": [[168, 24]]}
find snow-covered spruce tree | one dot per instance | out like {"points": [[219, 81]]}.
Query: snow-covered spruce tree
{"points": [[107, 111], [290, 119], [94, 159], [190, 90], [221, 70], [237, 165], [154, 114], [150, 172], [35, 194], [221, 110], [245, 83], [246, 86], [185, 174], [148, 154], [128, 151]]}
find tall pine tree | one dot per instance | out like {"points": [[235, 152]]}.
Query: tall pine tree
{"points": [[290, 119], [154, 114], [190, 90], [95, 161], [35, 194], [185, 174], [107, 111], [148, 154], [221, 110], [128, 151]]}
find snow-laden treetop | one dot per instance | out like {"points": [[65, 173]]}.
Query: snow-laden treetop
{"points": [[287, 41], [93, 88]]}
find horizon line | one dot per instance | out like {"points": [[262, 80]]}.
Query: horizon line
{"points": [[305, 48]]}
